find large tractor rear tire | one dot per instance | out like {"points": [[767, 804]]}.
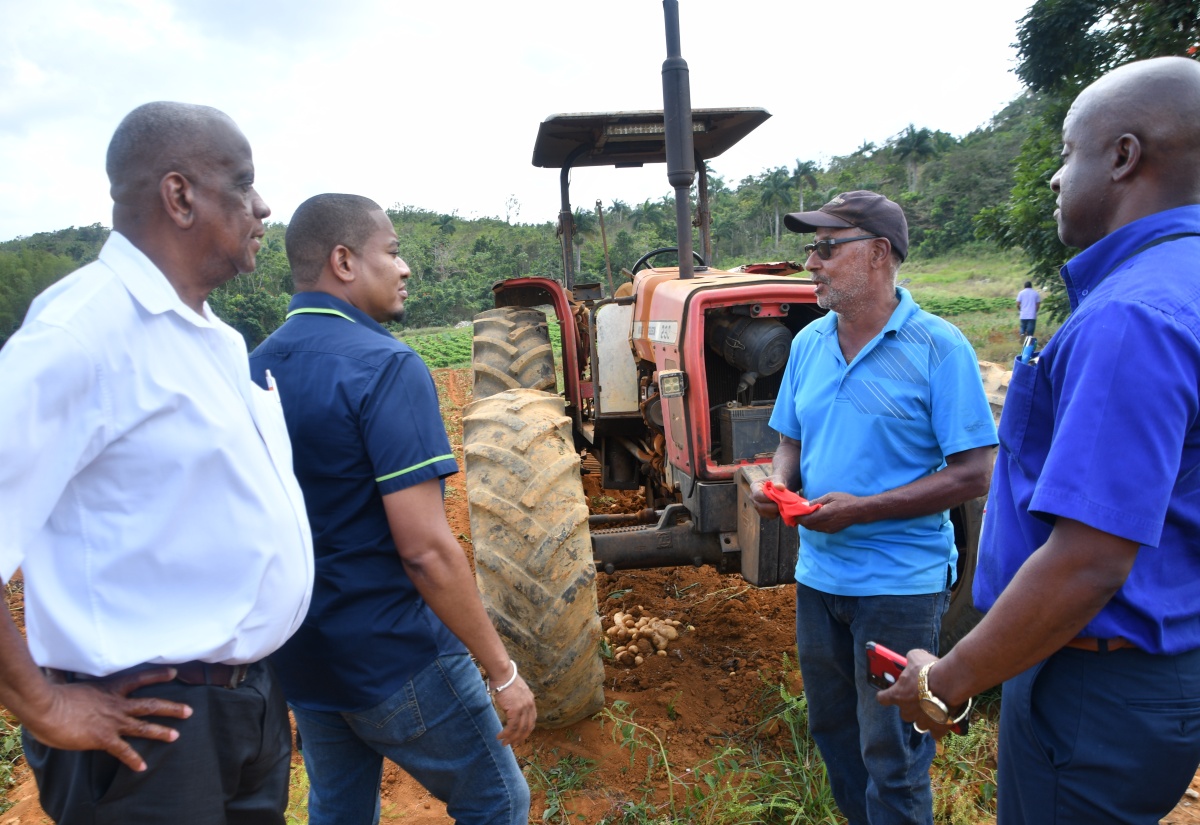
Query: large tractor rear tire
{"points": [[533, 550], [962, 616], [510, 349]]}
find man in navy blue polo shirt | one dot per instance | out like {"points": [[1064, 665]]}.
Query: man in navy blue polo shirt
{"points": [[379, 668], [1089, 563], [883, 422]]}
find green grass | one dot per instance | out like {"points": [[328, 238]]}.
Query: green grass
{"points": [[964, 771], [558, 779], [768, 773], [450, 347], [978, 274], [440, 348], [11, 752], [297, 809]]}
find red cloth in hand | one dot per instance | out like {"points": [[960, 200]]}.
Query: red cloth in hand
{"points": [[791, 505]]}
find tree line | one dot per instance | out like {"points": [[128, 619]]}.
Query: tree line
{"points": [[941, 181], [990, 187]]}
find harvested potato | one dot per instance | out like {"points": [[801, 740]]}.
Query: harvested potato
{"points": [[638, 635]]}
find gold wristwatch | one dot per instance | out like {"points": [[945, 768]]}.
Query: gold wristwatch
{"points": [[932, 706]]}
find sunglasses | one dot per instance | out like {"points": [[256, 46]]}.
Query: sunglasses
{"points": [[824, 249]]}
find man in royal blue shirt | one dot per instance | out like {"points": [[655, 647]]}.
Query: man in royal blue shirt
{"points": [[1089, 563], [379, 668], [883, 422]]}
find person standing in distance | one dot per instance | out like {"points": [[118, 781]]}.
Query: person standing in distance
{"points": [[1028, 301], [379, 668], [1089, 567], [883, 421], [147, 494]]}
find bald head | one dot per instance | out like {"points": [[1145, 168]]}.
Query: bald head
{"points": [[157, 138], [1130, 149], [182, 183], [1158, 101]]}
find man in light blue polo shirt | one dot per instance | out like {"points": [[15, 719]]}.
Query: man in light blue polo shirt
{"points": [[883, 422], [1089, 561]]}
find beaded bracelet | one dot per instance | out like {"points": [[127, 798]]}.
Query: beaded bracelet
{"points": [[496, 690]]}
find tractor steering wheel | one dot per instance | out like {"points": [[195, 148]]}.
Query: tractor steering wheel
{"points": [[645, 259]]}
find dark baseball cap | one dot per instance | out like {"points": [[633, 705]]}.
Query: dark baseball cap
{"points": [[869, 211]]}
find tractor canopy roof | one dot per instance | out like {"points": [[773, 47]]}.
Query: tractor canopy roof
{"points": [[635, 138]]}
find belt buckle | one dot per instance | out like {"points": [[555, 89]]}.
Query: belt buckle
{"points": [[237, 675]]}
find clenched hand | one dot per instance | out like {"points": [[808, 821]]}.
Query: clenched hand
{"points": [[520, 713]]}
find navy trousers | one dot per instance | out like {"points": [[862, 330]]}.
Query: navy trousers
{"points": [[229, 765], [1089, 737]]}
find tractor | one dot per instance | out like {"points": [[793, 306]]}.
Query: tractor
{"points": [[667, 387]]}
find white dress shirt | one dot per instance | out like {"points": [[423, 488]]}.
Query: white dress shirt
{"points": [[146, 486]]}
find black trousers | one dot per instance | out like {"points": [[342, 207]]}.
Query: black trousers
{"points": [[229, 765]]}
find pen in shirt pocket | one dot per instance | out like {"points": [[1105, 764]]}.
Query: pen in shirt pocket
{"points": [[270, 382]]}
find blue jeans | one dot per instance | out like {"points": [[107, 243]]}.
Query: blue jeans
{"points": [[440, 727], [878, 765], [1090, 737], [1028, 325]]}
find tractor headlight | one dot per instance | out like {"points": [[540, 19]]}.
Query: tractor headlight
{"points": [[672, 383]]}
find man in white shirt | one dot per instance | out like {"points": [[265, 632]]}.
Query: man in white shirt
{"points": [[146, 491]]}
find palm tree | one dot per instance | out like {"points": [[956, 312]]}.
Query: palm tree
{"points": [[913, 146], [647, 213], [445, 224], [805, 172], [865, 150], [776, 191], [826, 195]]}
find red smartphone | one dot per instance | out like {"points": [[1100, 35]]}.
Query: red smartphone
{"points": [[883, 666], [883, 669]]}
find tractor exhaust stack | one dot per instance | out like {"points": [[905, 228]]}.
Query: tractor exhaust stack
{"points": [[681, 158]]}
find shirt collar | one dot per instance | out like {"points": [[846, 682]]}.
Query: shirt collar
{"points": [[1085, 271], [322, 303], [146, 282]]}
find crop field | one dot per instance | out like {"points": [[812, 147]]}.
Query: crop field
{"points": [[976, 293]]}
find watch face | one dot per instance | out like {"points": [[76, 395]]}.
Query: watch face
{"points": [[935, 710]]}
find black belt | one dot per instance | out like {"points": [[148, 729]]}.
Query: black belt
{"points": [[214, 674]]}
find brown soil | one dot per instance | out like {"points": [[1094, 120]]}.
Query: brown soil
{"points": [[710, 690]]}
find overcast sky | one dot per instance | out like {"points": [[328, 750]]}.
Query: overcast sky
{"points": [[436, 104]]}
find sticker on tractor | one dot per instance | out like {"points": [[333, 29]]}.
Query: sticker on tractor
{"points": [[663, 332]]}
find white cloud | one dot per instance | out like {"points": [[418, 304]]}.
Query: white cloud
{"points": [[438, 105]]}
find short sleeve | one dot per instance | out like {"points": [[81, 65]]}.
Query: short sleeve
{"points": [[402, 426], [961, 416], [1126, 399], [52, 419]]}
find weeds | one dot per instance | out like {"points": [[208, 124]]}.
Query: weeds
{"points": [[566, 776], [749, 783], [11, 752], [640, 741], [964, 771], [297, 809], [672, 713], [772, 773]]}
